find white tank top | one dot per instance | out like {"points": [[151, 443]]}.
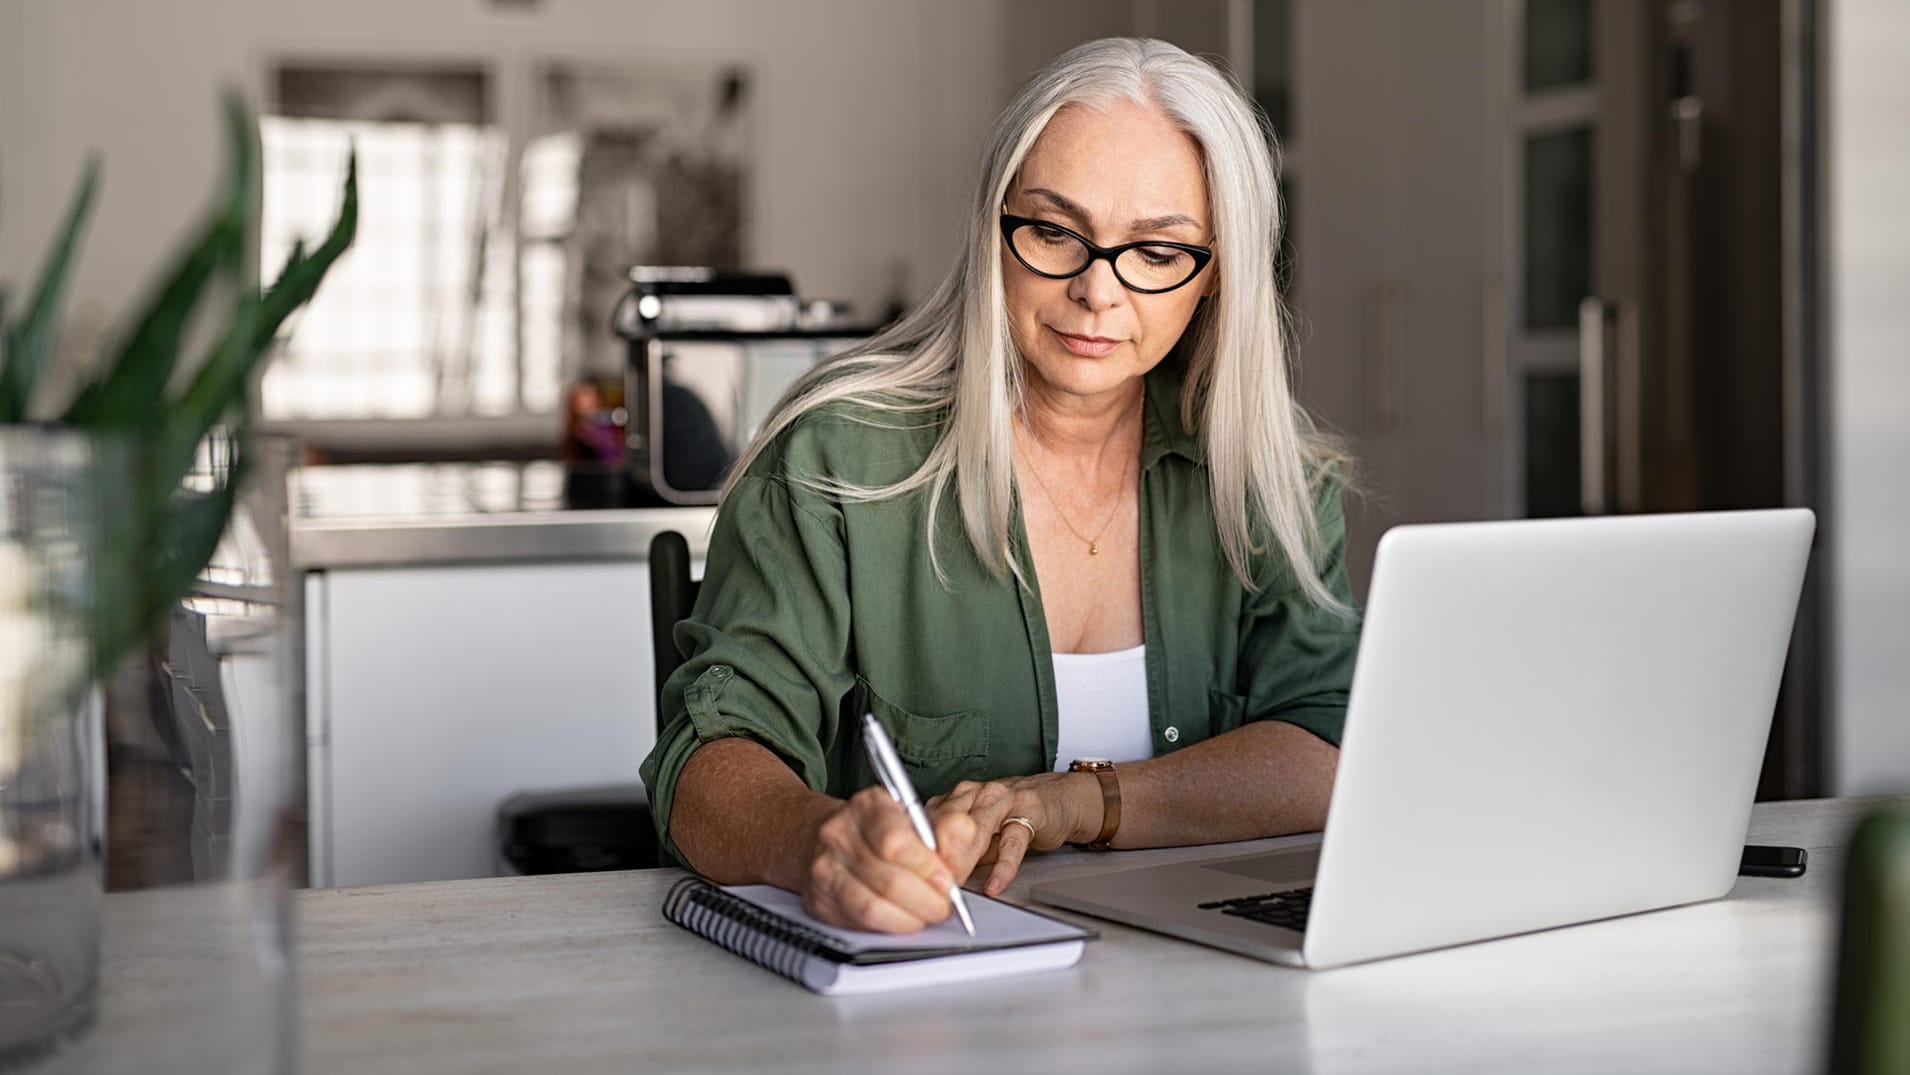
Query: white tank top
{"points": [[1101, 703]]}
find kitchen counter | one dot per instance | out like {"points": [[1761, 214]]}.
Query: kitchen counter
{"points": [[465, 513]]}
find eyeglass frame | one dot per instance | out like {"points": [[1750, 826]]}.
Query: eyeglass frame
{"points": [[1010, 224]]}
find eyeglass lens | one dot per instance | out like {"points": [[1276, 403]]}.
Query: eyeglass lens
{"points": [[1146, 268]]}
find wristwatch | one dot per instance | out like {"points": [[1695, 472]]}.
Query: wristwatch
{"points": [[1103, 769]]}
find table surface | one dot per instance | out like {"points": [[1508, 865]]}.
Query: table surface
{"points": [[582, 973]]}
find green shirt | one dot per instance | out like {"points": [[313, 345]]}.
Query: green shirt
{"points": [[813, 611]]}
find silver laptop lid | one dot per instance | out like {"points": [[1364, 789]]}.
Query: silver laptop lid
{"points": [[1553, 722]]}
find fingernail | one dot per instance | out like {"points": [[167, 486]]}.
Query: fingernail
{"points": [[943, 881]]}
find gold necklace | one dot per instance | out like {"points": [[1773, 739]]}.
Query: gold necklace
{"points": [[1093, 543]]}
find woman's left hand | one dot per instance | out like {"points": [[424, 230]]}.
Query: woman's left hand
{"points": [[1051, 808]]}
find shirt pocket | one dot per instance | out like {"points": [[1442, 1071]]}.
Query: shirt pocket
{"points": [[940, 750]]}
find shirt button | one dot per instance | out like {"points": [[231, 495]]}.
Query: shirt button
{"points": [[1172, 734]]}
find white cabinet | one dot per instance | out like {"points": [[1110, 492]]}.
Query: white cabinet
{"points": [[434, 692]]}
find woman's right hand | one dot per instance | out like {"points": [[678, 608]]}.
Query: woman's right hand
{"points": [[868, 869]]}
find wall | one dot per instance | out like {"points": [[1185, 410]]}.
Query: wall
{"points": [[867, 112], [1034, 34], [9, 102], [1867, 248]]}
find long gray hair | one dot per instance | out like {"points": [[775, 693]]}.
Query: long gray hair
{"points": [[951, 357]]}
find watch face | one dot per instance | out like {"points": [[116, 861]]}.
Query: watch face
{"points": [[1091, 763]]}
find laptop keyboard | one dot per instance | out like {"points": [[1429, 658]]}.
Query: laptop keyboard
{"points": [[1287, 910]]}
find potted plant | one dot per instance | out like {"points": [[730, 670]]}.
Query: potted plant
{"points": [[101, 535]]}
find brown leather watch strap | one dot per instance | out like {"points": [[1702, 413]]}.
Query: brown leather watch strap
{"points": [[1103, 770]]}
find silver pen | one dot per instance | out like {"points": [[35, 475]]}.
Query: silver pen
{"points": [[888, 766]]}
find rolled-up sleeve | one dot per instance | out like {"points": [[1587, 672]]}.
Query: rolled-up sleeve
{"points": [[766, 648], [1297, 658]]}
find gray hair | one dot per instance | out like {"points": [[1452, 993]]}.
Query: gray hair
{"points": [[952, 354]]}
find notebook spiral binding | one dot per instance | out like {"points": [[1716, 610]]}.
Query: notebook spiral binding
{"points": [[765, 939]]}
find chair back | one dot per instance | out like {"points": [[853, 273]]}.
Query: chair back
{"points": [[672, 596]]}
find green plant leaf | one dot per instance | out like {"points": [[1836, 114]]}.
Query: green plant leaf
{"points": [[295, 257], [183, 534], [160, 536], [220, 386], [300, 278], [123, 397], [117, 586], [28, 341], [222, 379]]}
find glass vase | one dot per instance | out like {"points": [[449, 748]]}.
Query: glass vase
{"points": [[189, 774], [52, 490]]}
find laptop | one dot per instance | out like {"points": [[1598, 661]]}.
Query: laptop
{"points": [[1551, 722]]}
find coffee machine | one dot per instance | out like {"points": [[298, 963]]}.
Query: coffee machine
{"points": [[710, 353]]}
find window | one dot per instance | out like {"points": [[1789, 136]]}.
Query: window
{"points": [[417, 319], [488, 257]]}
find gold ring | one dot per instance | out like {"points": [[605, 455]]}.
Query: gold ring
{"points": [[1023, 822]]}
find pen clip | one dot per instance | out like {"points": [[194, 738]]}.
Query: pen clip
{"points": [[882, 757], [889, 785], [885, 760]]}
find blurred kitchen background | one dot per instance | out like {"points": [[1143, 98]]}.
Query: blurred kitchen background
{"points": [[1551, 257]]}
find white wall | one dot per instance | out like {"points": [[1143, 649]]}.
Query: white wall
{"points": [[1868, 322], [866, 112], [9, 100]]}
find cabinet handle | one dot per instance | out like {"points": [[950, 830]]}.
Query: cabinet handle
{"points": [[1608, 372], [1592, 319], [1687, 125], [1492, 373], [1628, 454]]}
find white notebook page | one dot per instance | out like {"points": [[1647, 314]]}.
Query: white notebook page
{"points": [[996, 924]]}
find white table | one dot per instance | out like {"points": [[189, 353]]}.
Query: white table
{"points": [[581, 973]]}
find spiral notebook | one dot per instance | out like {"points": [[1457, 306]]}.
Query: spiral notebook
{"points": [[767, 926]]}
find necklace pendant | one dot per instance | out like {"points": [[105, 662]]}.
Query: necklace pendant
{"points": [[1094, 548]]}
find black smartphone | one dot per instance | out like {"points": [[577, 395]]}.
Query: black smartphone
{"points": [[1762, 861]]}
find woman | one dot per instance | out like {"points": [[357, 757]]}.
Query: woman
{"points": [[1067, 507]]}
